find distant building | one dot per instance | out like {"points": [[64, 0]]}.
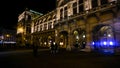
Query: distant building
{"points": [[7, 36]]}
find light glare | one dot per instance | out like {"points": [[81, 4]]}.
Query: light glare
{"points": [[104, 43], [111, 43]]}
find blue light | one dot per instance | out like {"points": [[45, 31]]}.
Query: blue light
{"points": [[105, 47], [93, 43], [104, 43], [111, 43]]}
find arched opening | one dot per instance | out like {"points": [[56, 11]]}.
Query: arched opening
{"points": [[103, 39], [79, 38], [63, 40]]}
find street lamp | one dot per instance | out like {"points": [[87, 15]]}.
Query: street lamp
{"points": [[83, 36], [7, 35]]}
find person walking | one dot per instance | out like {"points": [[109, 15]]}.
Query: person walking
{"points": [[35, 50], [56, 48], [76, 47], [52, 48]]}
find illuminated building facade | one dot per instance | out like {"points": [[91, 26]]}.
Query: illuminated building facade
{"points": [[92, 24], [89, 23], [43, 31], [24, 26]]}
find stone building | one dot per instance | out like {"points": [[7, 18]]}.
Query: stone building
{"points": [[42, 28], [92, 24], [7, 36], [24, 26]]}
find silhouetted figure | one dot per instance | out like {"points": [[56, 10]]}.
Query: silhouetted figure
{"points": [[35, 50], [52, 48], [56, 48], [83, 44], [76, 47]]}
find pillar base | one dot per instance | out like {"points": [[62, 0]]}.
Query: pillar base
{"points": [[68, 48], [87, 49]]}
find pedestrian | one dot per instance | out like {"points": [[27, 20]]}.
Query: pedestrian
{"points": [[83, 44], [52, 48], [56, 48], [35, 50], [76, 47]]}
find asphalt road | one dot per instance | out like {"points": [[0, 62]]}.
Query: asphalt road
{"points": [[25, 59]]}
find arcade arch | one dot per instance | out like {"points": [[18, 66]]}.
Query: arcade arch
{"points": [[63, 39], [103, 36], [79, 37]]}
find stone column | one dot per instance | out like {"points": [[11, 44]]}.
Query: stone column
{"points": [[77, 7], [66, 41], [88, 38], [56, 37], [63, 12], [47, 25], [69, 46], [99, 2], [42, 27]]}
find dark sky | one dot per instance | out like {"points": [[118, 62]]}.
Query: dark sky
{"points": [[10, 9]]}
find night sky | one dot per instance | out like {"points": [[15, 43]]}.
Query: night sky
{"points": [[11, 9]]}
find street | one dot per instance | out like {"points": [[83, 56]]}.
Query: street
{"points": [[64, 59]]}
